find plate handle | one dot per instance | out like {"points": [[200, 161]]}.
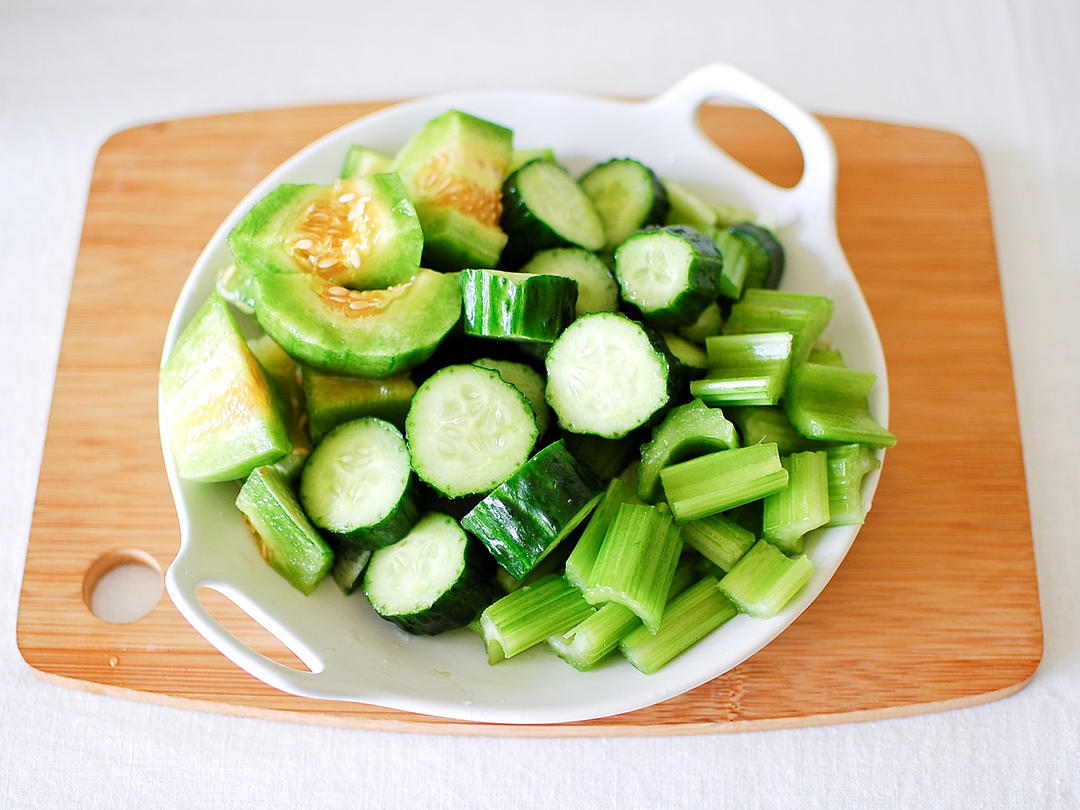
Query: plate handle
{"points": [[182, 581], [816, 190]]}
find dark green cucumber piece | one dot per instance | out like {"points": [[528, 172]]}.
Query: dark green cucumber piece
{"points": [[687, 431], [526, 380], [597, 290], [221, 415], [770, 275], [628, 196], [237, 286], [283, 373], [468, 430], [829, 403], [544, 208], [453, 170], [670, 274], [332, 399], [360, 232], [516, 306], [604, 458], [744, 258], [765, 580], [606, 375], [350, 562], [534, 509], [358, 484], [691, 358], [374, 333], [707, 324], [361, 161], [287, 540], [430, 581], [805, 316]]}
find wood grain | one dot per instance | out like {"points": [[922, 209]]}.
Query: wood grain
{"points": [[935, 607]]}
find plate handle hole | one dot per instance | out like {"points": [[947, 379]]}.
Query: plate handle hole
{"points": [[248, 631], [122, 586], [755, 139]]}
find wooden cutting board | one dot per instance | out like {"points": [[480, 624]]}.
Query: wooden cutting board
{"points": [[935, 607]]}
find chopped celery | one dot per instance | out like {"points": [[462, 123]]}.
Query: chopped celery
{"points": [[825, 356], [805, 316], [801, 506], [710, 484], [719, 539], [529, 615], [747, 369], [765, 580], [770, 424], [848, 464], [690, 430], [636, 562], [580, 563], [743, 258], [829, 403], [687, 208], [690, 617]]}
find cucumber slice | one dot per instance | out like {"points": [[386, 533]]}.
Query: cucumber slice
{"points": [[358, 484], [516, 306], [707, 324], [744, 259], [519, 157], [770, 277], [534, 509], [361, 161], [597, 290], [468, 430], [350, 563], [453, 170], [606, 375], [374, 333], [430, 581], [287, 540], [360, 232], [670, 274], [543, 208], [221, 415], [628, 196], [332, 399], [526, 380]]}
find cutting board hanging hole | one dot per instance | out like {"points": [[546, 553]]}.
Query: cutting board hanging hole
{"points": [[122, 586]]}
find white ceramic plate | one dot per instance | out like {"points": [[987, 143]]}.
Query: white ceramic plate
{"points": [[352, 654]]}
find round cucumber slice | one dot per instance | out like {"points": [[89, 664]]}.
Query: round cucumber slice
{"points": [[543, 207], [597, 290], [468, 430]]}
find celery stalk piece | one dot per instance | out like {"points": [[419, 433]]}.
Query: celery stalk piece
{"points": [[580, 563], [829, 403], [805, 316], [590, 642], [687, 208], [765, 580], [529, 615], [719, 539], [687, 431], [636, 562], [745, 369], [770, 424], [847, 465], [802, 505], [744, 258], [826, 356], [710, 484], [687, 619]]}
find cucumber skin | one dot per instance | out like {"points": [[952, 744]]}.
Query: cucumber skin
{"points": [[534, 308], [703, 278], [525, 517], [771, 245], [527, 233], [462, 604]]}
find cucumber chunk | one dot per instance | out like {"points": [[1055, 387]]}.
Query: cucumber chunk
{"points": [[516, 306], [628, 196], [597, 290], [287, 540], [358, 484], [606, 375], [431, 581], [544, 208], [670, 274], [359, 232], [374, 333], [221, 415], [468, 430]]}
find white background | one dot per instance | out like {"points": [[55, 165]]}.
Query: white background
{"points": [[1003, 74]]}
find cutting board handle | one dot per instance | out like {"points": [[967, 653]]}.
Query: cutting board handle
{"points": [[816, 190]]}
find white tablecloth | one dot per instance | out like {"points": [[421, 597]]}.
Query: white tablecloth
{"points": [[1004, 74]]}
